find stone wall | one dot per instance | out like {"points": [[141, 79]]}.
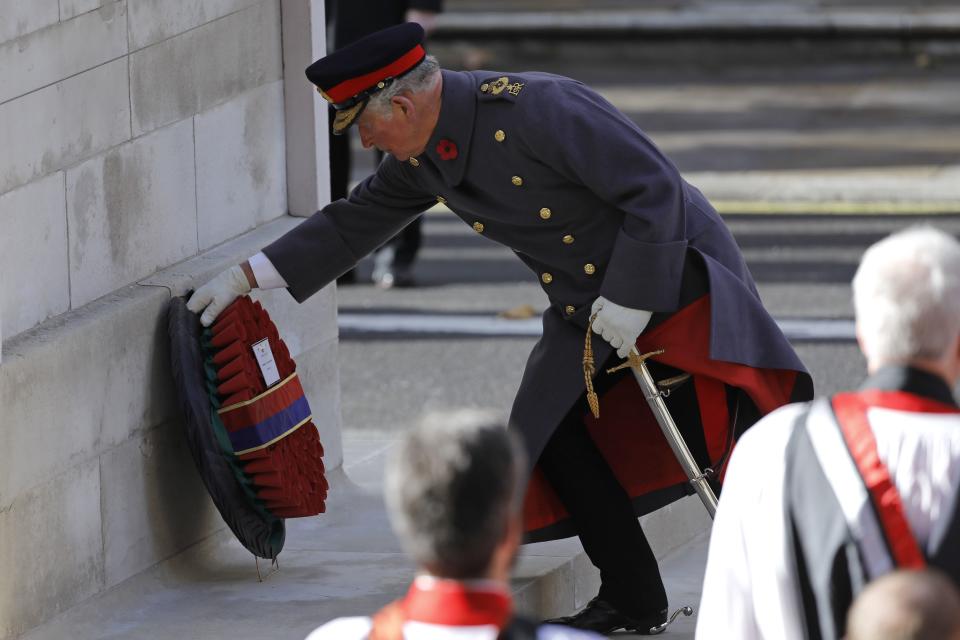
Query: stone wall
{"points": [[143, 148], [133, 121]]}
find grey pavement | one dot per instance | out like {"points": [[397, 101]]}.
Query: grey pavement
{"points": [[345, 562]]}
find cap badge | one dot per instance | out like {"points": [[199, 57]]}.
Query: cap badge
{"points": [[447, 150]]}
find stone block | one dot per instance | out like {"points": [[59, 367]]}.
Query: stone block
{"points": [[33, 254], [73, 8], [119, 204], [199, 69], [81, 383], [54, 127], [61, 51], [240, 164], [21, 18], [154, 503], [152, 21], [50, 547], [544, 586]]}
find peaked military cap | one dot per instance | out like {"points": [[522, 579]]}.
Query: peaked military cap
{"points": [[349, 76]]}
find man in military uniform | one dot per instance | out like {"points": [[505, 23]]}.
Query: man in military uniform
{"points": [[546, 166]]}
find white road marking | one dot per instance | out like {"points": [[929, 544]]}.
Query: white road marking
{"points": [[493, 326]]}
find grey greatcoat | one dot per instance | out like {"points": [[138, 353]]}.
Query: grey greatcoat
{"points": [[546, 166]]}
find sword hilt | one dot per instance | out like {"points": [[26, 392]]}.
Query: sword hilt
{"points": [[634, 360]]}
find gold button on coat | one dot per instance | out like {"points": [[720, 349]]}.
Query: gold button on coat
{"points": [[499, 136], [545, 213], [478, 227], [567, 239], [516, 180], [484, 87], [441, 200], [589, 269], [547, 278], [414, 162], [570, 309]]}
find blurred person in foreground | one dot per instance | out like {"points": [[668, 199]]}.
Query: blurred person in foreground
{"points": [[822, 498], [906, 605], [618, 241], [454, 490]]}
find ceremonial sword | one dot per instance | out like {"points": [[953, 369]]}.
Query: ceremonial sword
{"points": [[654, 396]]}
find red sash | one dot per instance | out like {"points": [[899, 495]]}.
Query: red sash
{"points": [[442, 602], [850, 410]]}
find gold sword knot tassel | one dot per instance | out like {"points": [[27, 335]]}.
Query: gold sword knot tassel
{"points": [[589, 370]]}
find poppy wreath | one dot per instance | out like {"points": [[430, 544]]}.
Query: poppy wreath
{"points": [[256, 447]]}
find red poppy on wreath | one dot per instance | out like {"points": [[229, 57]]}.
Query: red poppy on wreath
{"points": [[447, 150]]}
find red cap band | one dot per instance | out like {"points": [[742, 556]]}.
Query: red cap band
{"points": [[349, 88]]}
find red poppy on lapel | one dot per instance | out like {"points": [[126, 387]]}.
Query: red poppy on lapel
{"points": [[447, 150]]}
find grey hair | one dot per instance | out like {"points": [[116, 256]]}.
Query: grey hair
{"points": [[907, 296], [452, 487], [422, 77]]}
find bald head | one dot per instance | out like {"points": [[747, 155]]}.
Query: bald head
{"points": [[906, 605]]}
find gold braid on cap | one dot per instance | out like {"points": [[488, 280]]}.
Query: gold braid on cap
{"points": [[589, 369]]}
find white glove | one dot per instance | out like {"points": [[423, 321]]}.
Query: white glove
{"points": [[216, 295], [618, 325]]}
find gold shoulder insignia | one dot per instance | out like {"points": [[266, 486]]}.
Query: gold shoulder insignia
{"points": [[498, 85], [501, 84]]}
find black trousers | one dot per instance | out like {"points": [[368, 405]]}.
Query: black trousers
{"points": [[600, 507]]}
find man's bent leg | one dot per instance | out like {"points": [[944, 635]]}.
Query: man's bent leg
{"points": [[604, 517]]}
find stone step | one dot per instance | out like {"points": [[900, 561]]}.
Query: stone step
{"points": [[741, 18], [345, 562]]}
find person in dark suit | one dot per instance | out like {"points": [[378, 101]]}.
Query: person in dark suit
{"points": [[619, 242], [351, 21]]}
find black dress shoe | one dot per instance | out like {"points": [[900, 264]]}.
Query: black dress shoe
{"points": [[601, 617]]}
